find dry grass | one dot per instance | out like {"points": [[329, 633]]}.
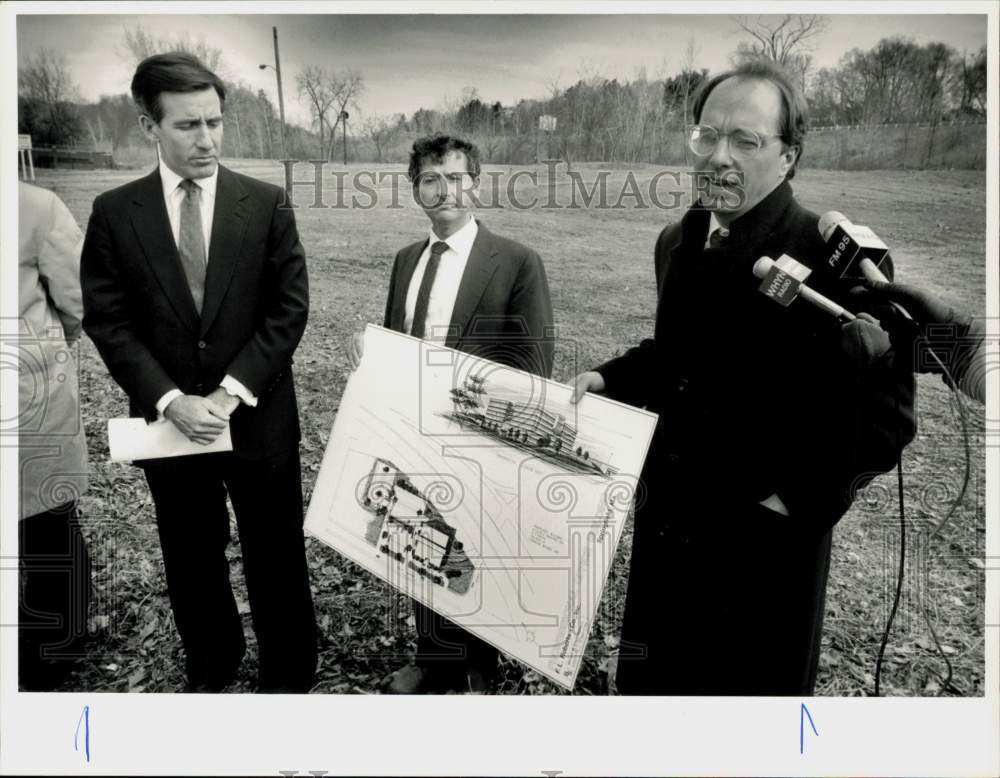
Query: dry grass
{"points": [[599, 264]]}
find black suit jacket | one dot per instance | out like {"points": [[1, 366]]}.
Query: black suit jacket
{"points": [[502, 311], [139, 311]]}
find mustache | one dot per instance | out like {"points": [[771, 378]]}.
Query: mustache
{"points": [[728, 178]]}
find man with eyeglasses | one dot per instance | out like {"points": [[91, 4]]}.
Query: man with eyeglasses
{"points": [[469, 289], [771, 418]]}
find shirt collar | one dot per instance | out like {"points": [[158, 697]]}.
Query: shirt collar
{"points": [[461, 241], [713, 225], [756, 222], [171, 181]]}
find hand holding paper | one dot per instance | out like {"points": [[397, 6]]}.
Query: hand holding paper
{"points": [[130, 439]]}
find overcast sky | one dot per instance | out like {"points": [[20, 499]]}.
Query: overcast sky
{"points": [[417, 61]]}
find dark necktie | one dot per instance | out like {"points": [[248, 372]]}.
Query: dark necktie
{"points": [[191, 245], [718, 237], [424, 293]]}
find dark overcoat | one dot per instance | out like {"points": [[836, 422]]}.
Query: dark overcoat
{"points": [[726, 596]]}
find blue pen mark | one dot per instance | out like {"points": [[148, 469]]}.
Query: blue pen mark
{"points": [[803, 714], [85, 720]]}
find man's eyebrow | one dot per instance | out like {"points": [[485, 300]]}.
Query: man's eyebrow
{"points": [[197, 119]]}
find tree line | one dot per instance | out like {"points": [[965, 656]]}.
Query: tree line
{"points": [[595, 118], [643, 120], [52, 112]]}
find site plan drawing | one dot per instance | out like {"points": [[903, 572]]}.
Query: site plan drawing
{"points": [[480, 491]]}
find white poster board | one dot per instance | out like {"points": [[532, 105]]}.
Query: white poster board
{"points": [[482, 492]]}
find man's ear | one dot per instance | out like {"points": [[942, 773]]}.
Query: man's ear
{"points": [[788, 157], [149, 128], [473, 192]]}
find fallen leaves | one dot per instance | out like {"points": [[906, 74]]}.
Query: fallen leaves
{"points": [[368, 631]]}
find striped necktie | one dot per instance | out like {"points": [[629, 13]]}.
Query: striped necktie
{"points": [[192, 242]]}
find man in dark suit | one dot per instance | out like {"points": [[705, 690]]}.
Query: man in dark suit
{"points": [[479, 293], [196, 295], [770, 418]]}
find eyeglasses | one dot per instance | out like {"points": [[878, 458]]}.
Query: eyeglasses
{"points": [[432, 180], [743, 144]]}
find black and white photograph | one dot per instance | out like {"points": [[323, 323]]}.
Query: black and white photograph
{"points": [[771, 229]]}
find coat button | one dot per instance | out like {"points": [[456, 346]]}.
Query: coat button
{"points": [[202, 344]]}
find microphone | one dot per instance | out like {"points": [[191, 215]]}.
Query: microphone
{"points": [[784, 280], [858, 253]]}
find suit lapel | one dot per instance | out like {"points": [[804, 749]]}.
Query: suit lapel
{"points": [[478, 272], [408, 263], [152, 229], [229, 224]]}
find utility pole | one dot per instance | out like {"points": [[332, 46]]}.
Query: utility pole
{"points": [[276, 67], [343, 117], [281, 96]]}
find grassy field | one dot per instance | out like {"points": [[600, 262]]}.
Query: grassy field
{"points": [[599, 264]]}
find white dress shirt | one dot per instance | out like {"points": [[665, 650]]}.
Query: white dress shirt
{"points": [[173, 196], [713, 225], [446, 282]]}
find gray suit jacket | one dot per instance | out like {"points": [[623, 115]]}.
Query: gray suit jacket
{"points": [[502, 312]]}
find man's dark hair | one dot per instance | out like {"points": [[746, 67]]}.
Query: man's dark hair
{"points": [[794, 109], [435, 147], [175, 71]]}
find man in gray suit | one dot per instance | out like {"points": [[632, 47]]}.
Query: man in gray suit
{"points": [[480, 293]]}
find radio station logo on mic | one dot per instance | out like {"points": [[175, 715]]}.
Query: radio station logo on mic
{"points": [[857, 252]]}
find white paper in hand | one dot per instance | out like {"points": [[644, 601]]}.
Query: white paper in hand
{"points": [[130, 439]]}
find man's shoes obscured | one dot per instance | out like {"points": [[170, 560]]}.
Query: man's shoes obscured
{"points": [[202, 679], [210, 684], [44, 675], [415, 679]]}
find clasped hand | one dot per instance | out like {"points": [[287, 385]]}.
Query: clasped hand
{"points": [[202, 419]]}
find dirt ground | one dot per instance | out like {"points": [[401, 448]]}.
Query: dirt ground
{"points": [[599, 265]]}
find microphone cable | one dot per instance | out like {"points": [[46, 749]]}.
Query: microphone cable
{"points": [[960, 407], [937, 530]]}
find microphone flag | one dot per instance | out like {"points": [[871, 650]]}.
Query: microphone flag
{"points": [[783, 281], [851, 243]]}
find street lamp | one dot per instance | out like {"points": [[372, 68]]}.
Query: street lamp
{"points": [[281, 98]]}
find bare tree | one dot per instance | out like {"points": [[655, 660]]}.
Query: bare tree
{"points": [[139, 43], [266, 120], [314, 87], [46, 92], [235, 110], [345, 88], [786, 40], [689, 74], [46, 78], [783, 39], [971, 83], [560, 106], [381, 130]]}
